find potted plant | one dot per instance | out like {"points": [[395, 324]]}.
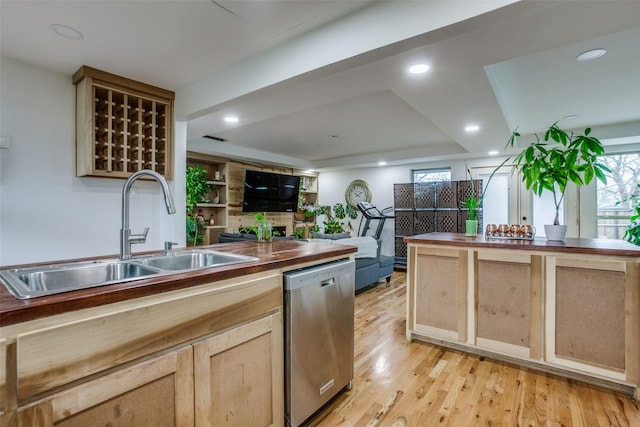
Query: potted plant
{"points": [[632, 233], [335, 223], [197, 187], [555, 160], [261, 228], [472, 203]]}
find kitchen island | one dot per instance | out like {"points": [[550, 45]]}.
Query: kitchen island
{"points": [[201, 347], [570, 308]]}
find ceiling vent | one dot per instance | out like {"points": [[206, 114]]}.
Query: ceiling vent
{"points": [[215, 138]]}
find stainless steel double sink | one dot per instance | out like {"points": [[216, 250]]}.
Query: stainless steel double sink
{"points": [[31, 282]]}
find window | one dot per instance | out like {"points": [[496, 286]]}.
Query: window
{"points": [[612, 215], [431, 175]]}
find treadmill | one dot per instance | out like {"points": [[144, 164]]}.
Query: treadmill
{"points": [[370, 213]]}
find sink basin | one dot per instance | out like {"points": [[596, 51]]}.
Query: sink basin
{"points": [[31, 282], [193, 260], [47, 280]]}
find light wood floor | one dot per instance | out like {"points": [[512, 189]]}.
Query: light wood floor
{"points": [[399, 384]]}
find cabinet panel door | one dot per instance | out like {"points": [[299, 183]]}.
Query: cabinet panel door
{"points": [[441, 293], [508, 303], [239, 376], [156, 392], [3, 377], [586, 317]]}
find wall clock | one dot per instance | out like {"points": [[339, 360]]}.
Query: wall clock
{"points": [[357, 191]]}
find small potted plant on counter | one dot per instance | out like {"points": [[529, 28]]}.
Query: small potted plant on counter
{"points": [[472, 203], [555, 160], [261, 228]]}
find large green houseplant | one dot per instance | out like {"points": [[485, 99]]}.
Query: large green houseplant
{"points": [[555, 160], [197, 187], [338, 222], [632, 232]]}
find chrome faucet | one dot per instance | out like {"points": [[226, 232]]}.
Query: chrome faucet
{"points": [[126, 238]]}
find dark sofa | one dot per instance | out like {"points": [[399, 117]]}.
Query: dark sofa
{"points": [[246, 237], [369, 270]]}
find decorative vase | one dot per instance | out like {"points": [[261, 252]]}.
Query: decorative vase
{"points": [[556, 233], [216, 198], [471, 227]]}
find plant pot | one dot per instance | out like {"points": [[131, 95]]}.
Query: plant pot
{"points": [[556, 233], [471, 227]]}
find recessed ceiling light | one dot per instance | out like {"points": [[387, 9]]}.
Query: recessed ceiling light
{"points": [[472, 128], [419, 69], [590, 55], [66, 32], [231, 119], [493, 152], [382, 163]]}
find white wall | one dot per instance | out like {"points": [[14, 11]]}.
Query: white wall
{"points": [[46, 212]]}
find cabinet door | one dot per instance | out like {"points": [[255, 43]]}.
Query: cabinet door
{"points": [[156, 392], [508, 302], [592, 315], [440, 295], [3, 378], [239, 375]]}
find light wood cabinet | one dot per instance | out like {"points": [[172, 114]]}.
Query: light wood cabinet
{"points": [[3, 377], [557, 311], [593, 318], [128, 359], [235, 387], [508, 298], [122, 126], [156, 392], [439, 303], [215, 206], [304, 224]]}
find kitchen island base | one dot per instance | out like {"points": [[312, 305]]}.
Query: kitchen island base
{"points": [[571, 308]]}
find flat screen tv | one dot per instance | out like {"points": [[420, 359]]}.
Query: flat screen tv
{"points": [[270, 192]]}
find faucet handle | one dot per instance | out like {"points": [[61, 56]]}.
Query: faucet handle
{"points": [[168, 246], [139, 238]]}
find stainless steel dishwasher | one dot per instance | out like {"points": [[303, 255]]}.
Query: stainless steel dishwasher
{"points": [[319, 323]]}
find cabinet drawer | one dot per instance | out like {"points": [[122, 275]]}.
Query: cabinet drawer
{"points": [[50, 357]]}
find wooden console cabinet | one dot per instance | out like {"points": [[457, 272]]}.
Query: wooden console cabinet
{"points": [[571, 308], [199, 356]]}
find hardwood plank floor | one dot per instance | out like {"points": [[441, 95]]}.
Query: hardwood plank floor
{"points": [[399, 384]]}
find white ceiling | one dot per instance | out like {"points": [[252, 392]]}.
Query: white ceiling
{"points": [[511, 67]]}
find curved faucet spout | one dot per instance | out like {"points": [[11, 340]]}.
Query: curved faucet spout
{"points": [[126, 238]]}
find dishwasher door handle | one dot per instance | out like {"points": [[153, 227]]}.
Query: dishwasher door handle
{"points": [[328, 282]]}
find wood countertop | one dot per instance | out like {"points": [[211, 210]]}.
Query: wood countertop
{"points": [[274, 255], [583, 246]]}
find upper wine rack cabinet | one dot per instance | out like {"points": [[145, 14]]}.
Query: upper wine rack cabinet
{"points": [[122, 126]]}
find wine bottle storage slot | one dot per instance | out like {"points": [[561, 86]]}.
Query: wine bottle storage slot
{"points": [[123, 126], [130, 132]]}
